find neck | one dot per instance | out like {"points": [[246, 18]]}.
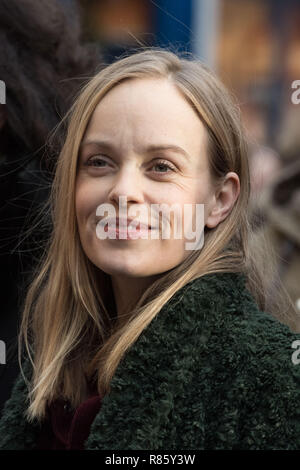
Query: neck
{"points": [[127, 291]]}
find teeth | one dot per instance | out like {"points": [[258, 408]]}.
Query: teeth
{"points": [[114, 226]]}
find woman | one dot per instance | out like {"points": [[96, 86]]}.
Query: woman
{"points": [[138, 341]]}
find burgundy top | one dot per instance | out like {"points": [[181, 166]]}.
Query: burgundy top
{"points": [[67, 429]]}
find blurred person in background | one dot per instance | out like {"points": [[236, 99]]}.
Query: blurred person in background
{"points": [[41, 62], [276, 214]]}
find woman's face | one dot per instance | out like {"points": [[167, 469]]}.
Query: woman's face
{"points": [[146, 144]]}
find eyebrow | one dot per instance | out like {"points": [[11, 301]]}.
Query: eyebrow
{"points": [[149, 149]]}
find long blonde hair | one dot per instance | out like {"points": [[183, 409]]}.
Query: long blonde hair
{"points": [[67, 324]]}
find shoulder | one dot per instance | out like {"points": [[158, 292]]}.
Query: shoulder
{"points": [[218, 310], [245, 363], [222, 301], [214, 320]]}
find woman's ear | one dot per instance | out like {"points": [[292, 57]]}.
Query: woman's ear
{"points": [[224, 200]]}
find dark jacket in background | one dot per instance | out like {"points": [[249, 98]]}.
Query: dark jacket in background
{"points": [[44, 61], [23, 189]]}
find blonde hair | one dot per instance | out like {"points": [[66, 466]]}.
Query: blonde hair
{"points": [[67, 325]]}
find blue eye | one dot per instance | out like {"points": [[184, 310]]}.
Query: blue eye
{"points": [[94, 160], [162, 167], [163, 164]]}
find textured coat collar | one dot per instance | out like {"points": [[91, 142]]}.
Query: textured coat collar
{"points": [[141, 378], [209, 372]]}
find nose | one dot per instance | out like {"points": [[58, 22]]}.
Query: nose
{"points": [[127, 182]]}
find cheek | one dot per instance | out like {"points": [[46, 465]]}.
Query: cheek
{"points": [[86, 198]]}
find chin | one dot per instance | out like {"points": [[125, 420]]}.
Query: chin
{"points": [[119, 268]]}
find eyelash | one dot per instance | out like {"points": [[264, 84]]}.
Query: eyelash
{"points": [[165, 163]]}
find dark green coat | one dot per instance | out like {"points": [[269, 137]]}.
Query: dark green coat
{"points": [[210, 372]]}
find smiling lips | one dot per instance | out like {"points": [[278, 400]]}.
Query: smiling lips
{"points": [[119, 227]]}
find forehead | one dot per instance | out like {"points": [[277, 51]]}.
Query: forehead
{"points": [[147, 110]]}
